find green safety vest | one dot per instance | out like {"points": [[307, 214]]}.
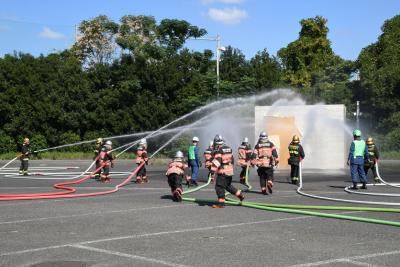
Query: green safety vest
{"points": [[192, 156], [359, 148]]}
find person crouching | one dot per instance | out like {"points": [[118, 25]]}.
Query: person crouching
{"points": [[176, 171]]}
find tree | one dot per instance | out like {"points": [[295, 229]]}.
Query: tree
{"points": [[307, 55], [379, 65], [265, 70], [96, 44]]}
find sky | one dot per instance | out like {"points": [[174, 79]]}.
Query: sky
{"points": [[45, 26]]}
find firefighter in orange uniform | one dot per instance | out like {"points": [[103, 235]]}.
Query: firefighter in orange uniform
{"points": [[265, 158], [141, 156], [222, 166], [244, 161], [107, 161], [177, 170]]}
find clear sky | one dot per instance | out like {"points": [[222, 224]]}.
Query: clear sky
{"points": [[43, 26]]}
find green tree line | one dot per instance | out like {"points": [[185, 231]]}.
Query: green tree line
{"points": [[136, 75]]}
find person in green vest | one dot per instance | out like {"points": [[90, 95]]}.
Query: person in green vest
{"points": [[373, 153], [194, 160], [296, 153], [357, 155]]}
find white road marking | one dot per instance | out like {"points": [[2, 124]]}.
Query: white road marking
{"points": [[348, 259], [94, 213], [130, 256]]}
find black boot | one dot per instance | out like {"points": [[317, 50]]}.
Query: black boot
{"points": [[354, 187], [364, 186]]}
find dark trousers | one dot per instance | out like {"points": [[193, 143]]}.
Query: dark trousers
{"points": [[266, 174], [24, 165], [294, 171], [243, 172], [175, 181], [224, 183], [373, 169], [142, 172]]}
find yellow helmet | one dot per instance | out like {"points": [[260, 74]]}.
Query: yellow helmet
{"points": [[296, 139], [370, 141], [26, 140], [99, 140]]}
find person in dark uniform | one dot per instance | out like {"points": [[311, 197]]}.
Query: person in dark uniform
{"points": [[24, 157], [296, 153], [373, 154]]}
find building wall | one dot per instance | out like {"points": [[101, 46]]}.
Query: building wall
{"points": [[321, 128]]}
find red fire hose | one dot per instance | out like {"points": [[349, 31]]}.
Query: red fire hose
{"points": [[69, 190]]}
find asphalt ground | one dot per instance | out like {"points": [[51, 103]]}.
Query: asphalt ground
{"points": [[141, 226]]}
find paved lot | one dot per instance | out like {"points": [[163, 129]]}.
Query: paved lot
{"points": [[140, 226]]}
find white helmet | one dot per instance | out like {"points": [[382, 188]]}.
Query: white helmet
{"points": [[211, 143], [109, 143], [179, 154], [143, 141], [195, 139], [263, 136], [245, 140], [218, 140]]}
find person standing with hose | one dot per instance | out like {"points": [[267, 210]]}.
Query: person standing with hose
{"points": [[373, 154], [24, 157], [245, 153], [265, 158], [97, 150], [107, 161], [194, 160], [207, 159], [358, 153], [222, 165], [296, 153], [141, 156]]}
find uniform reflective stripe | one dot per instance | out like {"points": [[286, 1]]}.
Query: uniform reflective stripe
{"points": [[359, 148], [192, 155], [293, 150]]}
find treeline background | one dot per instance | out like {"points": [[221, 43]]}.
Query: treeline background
{"points": [[136, 75]]}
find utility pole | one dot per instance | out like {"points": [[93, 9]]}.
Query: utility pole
{"points": [[218, 51], [358, 114]]}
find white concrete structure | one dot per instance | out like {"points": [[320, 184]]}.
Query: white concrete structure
{"points": [[321, 128]]}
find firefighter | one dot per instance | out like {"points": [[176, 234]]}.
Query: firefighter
{"points": [[222, 166], [373, 154], [97, 150], [24, 157], [194, 160], [265, 158], [208, 159], [107, 161], [358, 153], [177, 170], [141, 156], [245, 154], [296, 153]]}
